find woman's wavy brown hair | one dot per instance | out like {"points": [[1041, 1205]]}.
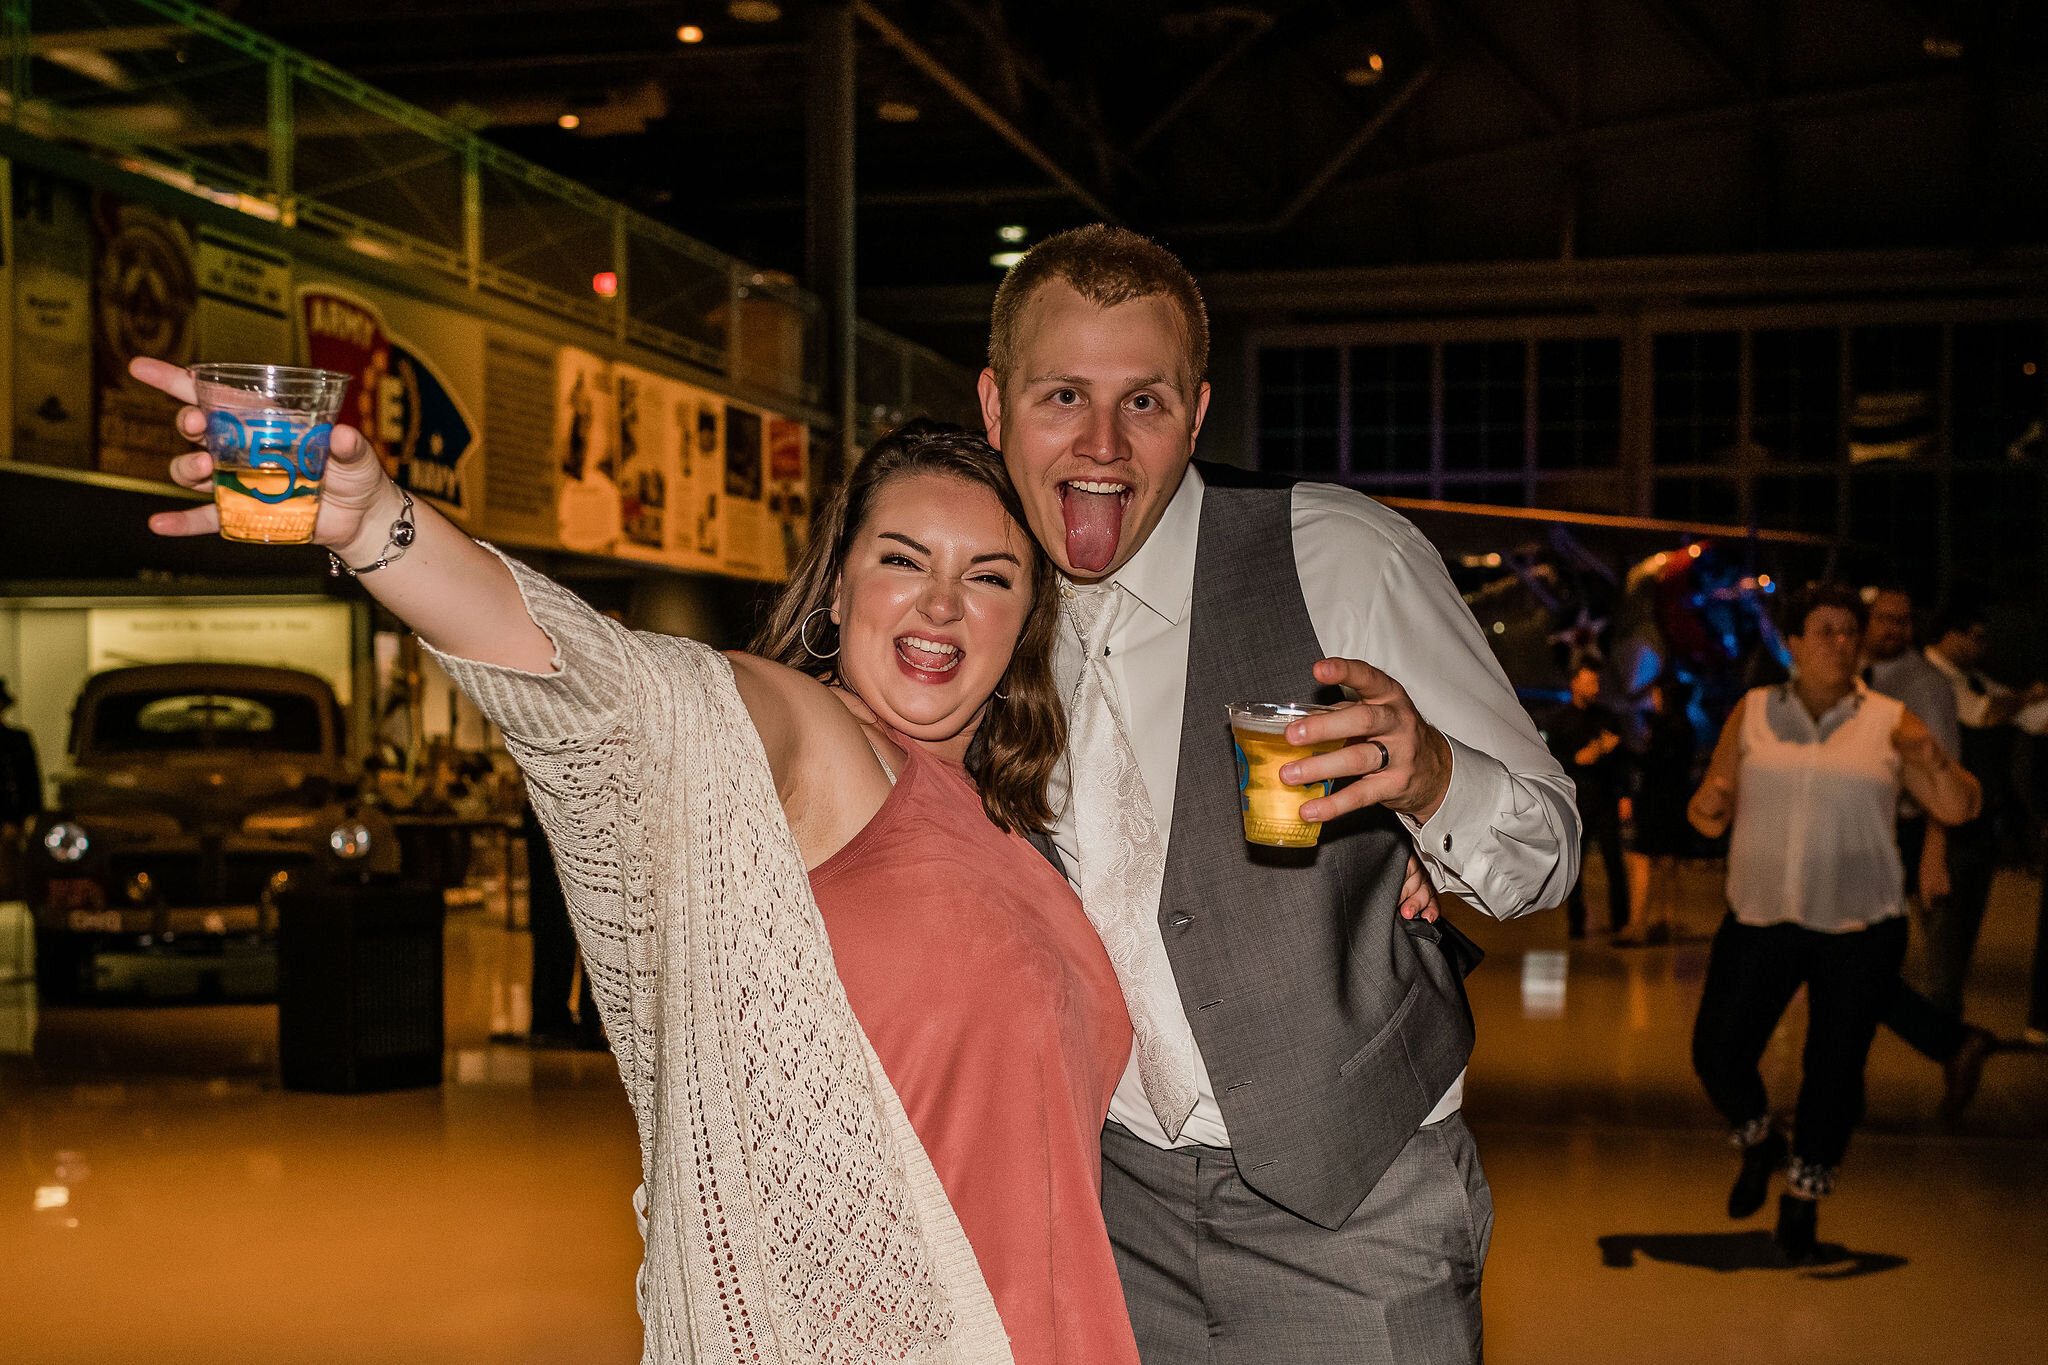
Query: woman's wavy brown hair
{"points": [[1023, 732]]}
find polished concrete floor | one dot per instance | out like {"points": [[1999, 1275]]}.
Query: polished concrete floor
{"points": [[163, 1199]]}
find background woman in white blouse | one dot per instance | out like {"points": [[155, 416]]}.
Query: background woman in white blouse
{"points": [[1809, 773]]}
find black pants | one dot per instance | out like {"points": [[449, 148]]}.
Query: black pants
{"points": [[1929, 1030], [2037, 1005], [554, 942], [1953, 921], [1752, 975], [1600, 820]]}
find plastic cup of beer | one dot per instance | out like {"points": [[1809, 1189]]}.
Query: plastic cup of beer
{"points": [[267, 428], [1272, 808]]}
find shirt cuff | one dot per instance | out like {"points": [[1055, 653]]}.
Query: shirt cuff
{"points": [[1465, 844], [1477, 795]]}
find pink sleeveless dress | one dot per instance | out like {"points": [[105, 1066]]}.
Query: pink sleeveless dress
{"points": [[999, 1021]]}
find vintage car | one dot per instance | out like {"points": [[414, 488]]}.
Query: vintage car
{"points": [[198, 794]]}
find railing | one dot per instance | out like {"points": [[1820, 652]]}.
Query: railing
{"points": [[176, 91]]}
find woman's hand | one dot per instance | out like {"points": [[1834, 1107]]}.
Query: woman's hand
{"points": [[354, 493], [1712, 806], [1418, 897]]}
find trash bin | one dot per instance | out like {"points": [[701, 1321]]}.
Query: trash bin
{"points": [[359, 988]]}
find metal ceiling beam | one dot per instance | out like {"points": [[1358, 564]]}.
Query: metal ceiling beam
{"points": [[1699, 41], [1373, 127], [998, 39], [1631, 130], [1495, 286], [1481, 39], [964, 94], [693, 55], [985, 195], [1262, 24]]}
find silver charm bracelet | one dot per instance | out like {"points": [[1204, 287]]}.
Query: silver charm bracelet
{"points": [[402, 533]]}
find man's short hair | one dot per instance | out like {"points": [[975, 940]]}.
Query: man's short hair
{"points": [[1106, 266], [1959, 618], [1801, 603]]}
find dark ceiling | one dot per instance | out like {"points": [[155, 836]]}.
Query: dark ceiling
{"points": [[1264, 135]]}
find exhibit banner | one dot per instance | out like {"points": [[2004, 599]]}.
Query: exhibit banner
{"points": [[747, 534], [52, 270], [789, 490], [416, 372], [245, 302], [648, 463], [145, 303], [698, 425], [519, 415], [313, 637], [587, 513]]}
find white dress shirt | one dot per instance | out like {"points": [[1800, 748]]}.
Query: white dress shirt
{"points": [[1975, 693], [1506, 838]]}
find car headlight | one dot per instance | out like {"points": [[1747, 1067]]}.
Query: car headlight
{"points": [[66, 841], [350, 839]]}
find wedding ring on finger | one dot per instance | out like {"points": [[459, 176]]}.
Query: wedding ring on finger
{"points": [[1386, 759]]}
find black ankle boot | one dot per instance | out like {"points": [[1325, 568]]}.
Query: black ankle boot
{"points": [[1760, 1160], [1798, 1226]]}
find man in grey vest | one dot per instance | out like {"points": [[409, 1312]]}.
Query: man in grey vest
{"points": [[1285, 1174]]}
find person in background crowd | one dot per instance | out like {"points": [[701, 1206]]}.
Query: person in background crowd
{"points": [[1987, 710], [21, 788], [1893, 667], [2037, 995], [1809, 773], [21, 777], [1662, 836], [552, 938], [1585, 737]]}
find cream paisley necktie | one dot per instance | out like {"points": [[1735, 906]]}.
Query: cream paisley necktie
{"points": [[1123, 857]]}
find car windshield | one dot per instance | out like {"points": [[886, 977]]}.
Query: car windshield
{"points": [[164, 720]]}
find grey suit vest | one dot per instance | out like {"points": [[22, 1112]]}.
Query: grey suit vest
{"points": [[1330, 1026]]}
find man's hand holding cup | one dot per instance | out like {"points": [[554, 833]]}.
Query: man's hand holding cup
{"points": [[1401, 761]]}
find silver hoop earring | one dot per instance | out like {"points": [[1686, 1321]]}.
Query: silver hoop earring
{"points": [[1002, 696], [803, 634]]}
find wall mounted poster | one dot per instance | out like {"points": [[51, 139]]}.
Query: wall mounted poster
{"points": [[649, 463], [699, 429], [145, 303], [52, 416], [519, 414], [747, 534], [245, 302], [416, 371], [587, 511], [789, 497]]}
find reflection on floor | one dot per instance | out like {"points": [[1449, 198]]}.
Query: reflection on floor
{"points": [[165, 1200]]}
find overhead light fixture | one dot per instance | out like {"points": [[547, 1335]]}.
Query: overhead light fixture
{"points": [[754, 11], [1013, 232], [689, 33], [898, 111], [605, 284], [569, 121], [1003, 260], [2028, 369], [1367, 72]]}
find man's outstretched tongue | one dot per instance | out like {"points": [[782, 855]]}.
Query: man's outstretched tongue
{"points": [[1094, 521]]}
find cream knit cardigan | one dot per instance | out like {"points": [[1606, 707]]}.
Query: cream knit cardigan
{"points": [[791, 1215]]}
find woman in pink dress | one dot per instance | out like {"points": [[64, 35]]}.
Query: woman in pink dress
{"points": [[922, 617]]}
